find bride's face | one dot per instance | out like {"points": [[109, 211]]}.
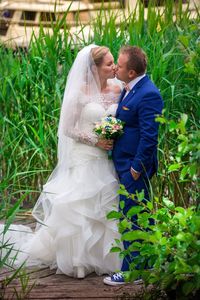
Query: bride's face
{"points": [[107, 69]]}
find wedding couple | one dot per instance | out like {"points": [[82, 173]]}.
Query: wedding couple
{"points": [[73, 234]]}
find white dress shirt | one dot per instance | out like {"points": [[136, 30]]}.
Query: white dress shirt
{"points": [[132, 83]]}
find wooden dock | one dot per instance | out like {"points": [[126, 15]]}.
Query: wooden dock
{"points": [[43, 283]]}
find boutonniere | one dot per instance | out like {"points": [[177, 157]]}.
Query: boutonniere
{"points": [[125, 108]]}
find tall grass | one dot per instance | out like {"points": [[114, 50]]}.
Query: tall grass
{"points": [[32, 85]]}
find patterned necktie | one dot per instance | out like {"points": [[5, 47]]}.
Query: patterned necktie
{"points": [[126, 91], [127, 88]]}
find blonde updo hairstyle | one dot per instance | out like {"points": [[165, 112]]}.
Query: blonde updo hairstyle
{"points": [[98, 54]]}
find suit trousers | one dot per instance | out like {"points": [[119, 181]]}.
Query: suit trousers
{"points": [[132, 186]]}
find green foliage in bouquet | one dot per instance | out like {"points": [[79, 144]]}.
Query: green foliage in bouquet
{"points": [[109, 128], [169, 248]]}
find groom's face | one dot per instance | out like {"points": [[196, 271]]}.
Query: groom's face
{"points": [[121, 69]]}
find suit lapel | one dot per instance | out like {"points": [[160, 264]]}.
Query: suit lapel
{"points": [[120, 100], [131, 93]]}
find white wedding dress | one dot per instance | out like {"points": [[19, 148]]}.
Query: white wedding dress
{"points": [[73, 207]]}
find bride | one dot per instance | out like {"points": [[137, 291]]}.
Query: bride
{"points": [[72, 232]]}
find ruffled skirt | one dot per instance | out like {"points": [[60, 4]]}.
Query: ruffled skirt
{"points": [[72, 229]]}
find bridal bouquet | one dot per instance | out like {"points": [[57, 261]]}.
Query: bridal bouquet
{"points": [[109, 128]]}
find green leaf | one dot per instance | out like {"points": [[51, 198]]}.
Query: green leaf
{"points": [[147, 250], [126, 224], [183, 148], [182, 219], [192, 170], [115, 249], [123, 192], [149, 205], [184, 118], [184, 40], [161, 120], [184, 236], [157, 234], [182, 137], [135, 235], [163, 241], [190, 68], [117, 241], [169, 204], [174, 167], [140, 196], [134, 246], [180, 210], [172, 125], [122, 204], [134, 211], [184, 172], [114, 215], [143, 220], [196, 269], [181, 125]]}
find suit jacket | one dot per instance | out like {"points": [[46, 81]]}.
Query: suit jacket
{"points": [[137, 147]]}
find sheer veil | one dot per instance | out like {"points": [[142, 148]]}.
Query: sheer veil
{"points": [[82, 80]]}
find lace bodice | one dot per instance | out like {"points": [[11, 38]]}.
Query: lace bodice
{"points": [[92, 110]]}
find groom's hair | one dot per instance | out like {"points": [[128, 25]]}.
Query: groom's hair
{"points": [[137, 59]]}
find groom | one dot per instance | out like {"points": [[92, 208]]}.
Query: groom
{"points": [[135, 152]]}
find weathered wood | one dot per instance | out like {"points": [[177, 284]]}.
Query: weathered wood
{"points": [[54, 286], [48, 285], [45, 284], [48, 6]]}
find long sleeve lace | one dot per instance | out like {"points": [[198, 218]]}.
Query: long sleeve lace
{"points": [[74, 125], [83, 115], [83, 137]]}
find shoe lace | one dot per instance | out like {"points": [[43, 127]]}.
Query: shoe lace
{"points": [[118, 276]]}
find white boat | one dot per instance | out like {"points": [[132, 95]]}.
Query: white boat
{"points": [[19, 19]]}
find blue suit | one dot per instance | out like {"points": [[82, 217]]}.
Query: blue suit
{"points": [[137, 147]]}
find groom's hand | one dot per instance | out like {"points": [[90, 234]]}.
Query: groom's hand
{"points": [[105, 144], [135, 174]]}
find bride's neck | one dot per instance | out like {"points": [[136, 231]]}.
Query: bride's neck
{"points": [[103, 84]]}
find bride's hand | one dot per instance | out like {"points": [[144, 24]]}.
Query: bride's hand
{"points": [[105, 144]]}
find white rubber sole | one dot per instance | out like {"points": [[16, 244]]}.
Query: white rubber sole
{"points": [[108, 281]]}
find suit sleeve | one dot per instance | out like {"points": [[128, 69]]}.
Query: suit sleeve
{"points": [[149, 107]]}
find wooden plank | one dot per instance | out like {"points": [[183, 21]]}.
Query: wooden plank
{"points": [[107, 5], [70, 21], [49, 285], [91, 287], [48, 7], [32, 272]]}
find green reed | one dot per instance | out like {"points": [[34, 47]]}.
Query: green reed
{"points": [[32, 85]]}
